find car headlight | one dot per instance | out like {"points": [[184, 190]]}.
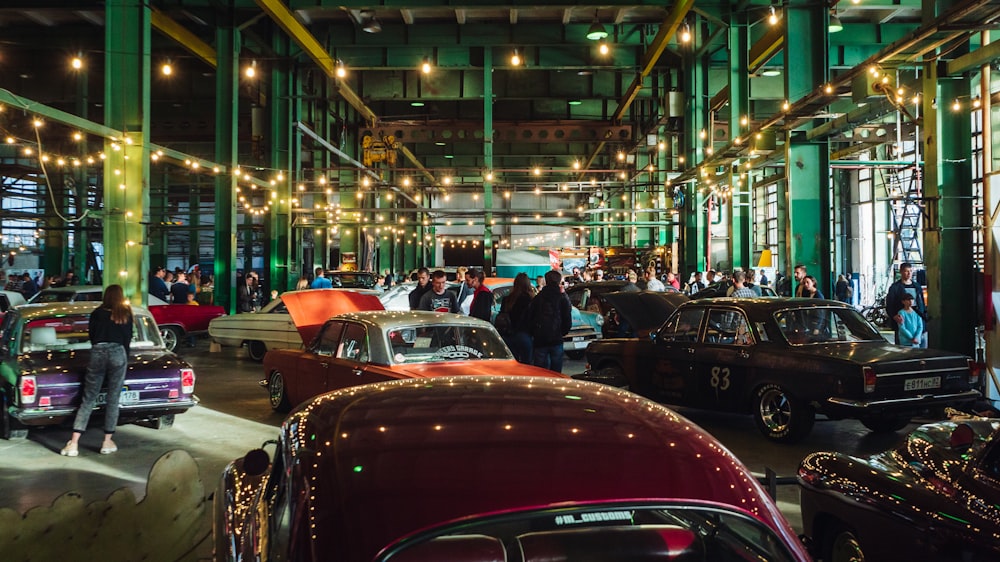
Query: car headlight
{"points": [[600, 320]]}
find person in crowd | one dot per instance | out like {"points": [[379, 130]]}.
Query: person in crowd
{"points": [[423, 285], [482, 298], [550, 319], [157, 286], [763, 278], [696, 284], [321, 281], [50, 281], [598, 275], [800, 274], [630, 285], [577, 277], [110, 330], [810, 289], [168, 279], [179, 289], [911, 324], [439, 298], [710, 277], [511, 321], [652, 283], [246, 294], [465, 289], [302, 283], [673, 281], [840, 289], [782, 285], [28, 286], [906, 284], [749, 282], [67, 280], [739, 288], [387, 278], [539, 282]]}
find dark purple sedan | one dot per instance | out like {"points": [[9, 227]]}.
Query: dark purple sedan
{"points": [[494, 468], [44, 350]]}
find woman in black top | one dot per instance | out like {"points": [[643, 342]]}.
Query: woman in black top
{"points": [[514, 328], [110, 336]]}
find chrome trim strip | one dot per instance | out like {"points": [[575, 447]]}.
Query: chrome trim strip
{"points": [[928, 372], [843, 402]]}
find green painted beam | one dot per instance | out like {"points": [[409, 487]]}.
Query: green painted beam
{"points": [[226, 145]]}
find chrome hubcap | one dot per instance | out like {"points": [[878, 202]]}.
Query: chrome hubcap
{"points": [[277, 389], [775, 410]]}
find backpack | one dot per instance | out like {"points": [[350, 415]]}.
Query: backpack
{"points": [[546, 324], [502, 322]]}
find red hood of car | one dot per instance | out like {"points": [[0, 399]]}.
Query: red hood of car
{"points": [[310, 309], [460, 368]]}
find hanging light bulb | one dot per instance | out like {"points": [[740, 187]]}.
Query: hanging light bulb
{"points": [[772, 18], [166, 69], [341, 69], [251, 71], [515, 59], [425, 67], [603, 48], [686, 33]]}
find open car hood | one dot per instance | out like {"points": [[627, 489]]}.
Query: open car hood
{"points": [[311, 308], [645, 310]]}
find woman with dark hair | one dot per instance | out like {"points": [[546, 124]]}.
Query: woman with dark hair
{"points": [[810, 289], [516, 332], [110, 336]]}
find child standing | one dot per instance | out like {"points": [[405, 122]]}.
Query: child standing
{"points": [[911, 329]]}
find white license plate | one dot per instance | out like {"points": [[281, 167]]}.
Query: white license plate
{"points": [[922, 383], [128, 397], [578, 338]]}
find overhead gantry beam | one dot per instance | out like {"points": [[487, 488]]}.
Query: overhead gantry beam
{"points": [[167, 26]]}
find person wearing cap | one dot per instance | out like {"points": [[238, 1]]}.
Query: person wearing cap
{"points": [[157, 286], [910, 331]]}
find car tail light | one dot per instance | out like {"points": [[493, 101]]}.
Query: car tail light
{"points": [[187, 381], [869, 375], [974, 370], [45, 401], [28, 390]]}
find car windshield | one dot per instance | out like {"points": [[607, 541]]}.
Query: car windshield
{"points": [[362, 280], [811, 325], [608, 533], [444, 342], [71, 332]]}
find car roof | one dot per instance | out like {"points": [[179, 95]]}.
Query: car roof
{"points": [[33, 311], [767, 305], [74, 289], [392, 319], [388, 459]]}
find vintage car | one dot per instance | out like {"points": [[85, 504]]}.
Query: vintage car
{"points": [[354, 279], [272, 328], [10, 299], [176, 321], [397, 297], [44, 350], [784, 360], [934, 497], [494, 468], [585, 328], [723, 289], [373, 346], [636, 314]]}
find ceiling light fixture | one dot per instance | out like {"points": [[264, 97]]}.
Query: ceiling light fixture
{"points": [[370, 23], [596, 32], [425, 67], [341, 69], [515, 59], [835, 26], [251, 70], [686, 33], [772, 17], [771, 72], [603, 48]]}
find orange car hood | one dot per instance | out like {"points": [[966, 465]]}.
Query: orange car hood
{"points": [[310, 309], [488, 367]]}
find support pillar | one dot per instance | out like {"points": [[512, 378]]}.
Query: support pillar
{"points": [[227, 39], [126, 168], [739, 124], [277, 226], [488, 159], [695, 227]]}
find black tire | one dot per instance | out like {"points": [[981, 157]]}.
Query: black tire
{"points": [[843, 546], [886, 424], [614, 376], [171, 335], [256, 350], [780, 415], [276, 393], [9, 427], [576, 354]]}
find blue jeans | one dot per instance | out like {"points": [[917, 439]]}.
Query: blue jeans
{"points": [[520, 345], [108, 363], [549, 357]]}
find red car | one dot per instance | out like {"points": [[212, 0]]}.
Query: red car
{"points": [[494, 468], [380, 345]]}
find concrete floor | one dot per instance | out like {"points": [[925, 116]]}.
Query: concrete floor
{"points": [[234, 417]]}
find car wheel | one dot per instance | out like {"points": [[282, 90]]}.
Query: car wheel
{"points": [[256, 350], [276, 393], [844, 546], [9, 427], [781, 416], [576, 354], [885, 424], [614, 376], [171, 335]]}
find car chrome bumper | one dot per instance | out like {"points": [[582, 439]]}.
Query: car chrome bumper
{"points": [[860, 407], [126, 411], [572, 341]]}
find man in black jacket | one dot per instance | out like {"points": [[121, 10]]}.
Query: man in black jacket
{"points": [[549, 319], [423, 285]]}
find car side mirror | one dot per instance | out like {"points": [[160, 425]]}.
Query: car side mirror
{"points": [[255, 462]]}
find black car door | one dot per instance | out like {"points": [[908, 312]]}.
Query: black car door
{"points": [[722, 360], [673, 366]]}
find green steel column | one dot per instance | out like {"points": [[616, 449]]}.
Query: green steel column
{"points": [[227, 44], [81, 239], [739, 115], [645, 235], [277, 226], [948, 187], [695, 219], [156, 239], [194, 221], [488, 159], [54, 254], [807, 165], [126, 168]]}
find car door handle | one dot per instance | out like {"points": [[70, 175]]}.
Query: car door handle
{"points": [[690, 350], [324, 365], [356, 372], [744, 354]]}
